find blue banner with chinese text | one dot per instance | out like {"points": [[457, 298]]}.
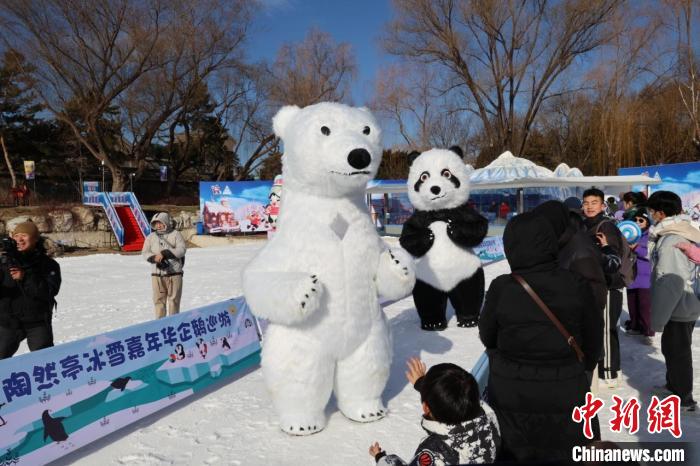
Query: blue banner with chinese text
{"points": [[57, 400]]}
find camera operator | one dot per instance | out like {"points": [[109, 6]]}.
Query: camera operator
{"points": [[29, 282], [165, 249]]}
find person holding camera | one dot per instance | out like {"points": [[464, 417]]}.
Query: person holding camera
{"points": [[165, 249], [29, 283]]}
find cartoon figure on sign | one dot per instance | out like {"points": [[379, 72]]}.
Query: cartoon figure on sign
{"points": [[202, 346], [275, 197], [53, 427], [225, 344], [178, 354], [120, 383], [254, 219]]}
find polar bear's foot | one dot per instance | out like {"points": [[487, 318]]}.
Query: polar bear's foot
{"points": [[364, 411], [303, 424]]}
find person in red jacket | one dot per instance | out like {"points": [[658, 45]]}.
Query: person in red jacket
{"points": [[504, 210]]}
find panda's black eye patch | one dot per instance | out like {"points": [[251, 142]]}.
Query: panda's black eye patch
{"points": [[446, 173], [326, 130], [365, 130], [425, 176]]}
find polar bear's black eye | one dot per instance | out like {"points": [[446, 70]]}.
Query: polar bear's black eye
{"points": [[325, 130], [366, 130]]}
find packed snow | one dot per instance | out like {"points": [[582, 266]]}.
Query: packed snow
{"points": [[233, 423]]}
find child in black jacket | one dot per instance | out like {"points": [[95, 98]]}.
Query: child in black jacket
{"points": [[461, 429]]}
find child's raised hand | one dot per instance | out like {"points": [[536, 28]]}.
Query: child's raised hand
{"points": [[375, 449], [416, 369]]}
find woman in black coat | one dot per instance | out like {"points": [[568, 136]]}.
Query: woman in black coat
{"points": [[535, 379], [577, 251]]}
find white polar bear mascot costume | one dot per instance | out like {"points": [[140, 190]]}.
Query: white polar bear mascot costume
{"points": [[318, 279]]}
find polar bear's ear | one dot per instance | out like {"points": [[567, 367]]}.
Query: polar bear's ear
{"points": [[281, 120]]}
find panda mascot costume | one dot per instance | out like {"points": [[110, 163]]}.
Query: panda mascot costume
{"points": [[440, 235]]}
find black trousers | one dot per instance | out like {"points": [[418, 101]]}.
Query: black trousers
{"points": [[676, 342], [466, 298], [609, 365], [38, 337]]}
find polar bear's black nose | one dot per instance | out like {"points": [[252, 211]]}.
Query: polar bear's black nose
{"points": [[359, 158], [435, 190]]}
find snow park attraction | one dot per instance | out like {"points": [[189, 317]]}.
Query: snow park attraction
{"points": [[61, 399], [124, 213]]}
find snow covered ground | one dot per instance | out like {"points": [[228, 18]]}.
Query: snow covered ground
{"points": [[234, 422]]}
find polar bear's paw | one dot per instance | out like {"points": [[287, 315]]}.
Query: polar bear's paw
{"points": [[401, 266], [303, 424], [308, 295], [364, 411], [395, 275]]}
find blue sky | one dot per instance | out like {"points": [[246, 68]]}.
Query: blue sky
{"points": [[359, 23]]}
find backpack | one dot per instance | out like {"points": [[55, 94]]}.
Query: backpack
{"points": [[628, 259]]}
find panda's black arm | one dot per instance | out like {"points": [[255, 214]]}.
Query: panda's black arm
{"points": [[466, 227], [416, 237]]}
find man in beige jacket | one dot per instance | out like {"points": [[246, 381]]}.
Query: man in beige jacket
{"points": [[165, 249]]}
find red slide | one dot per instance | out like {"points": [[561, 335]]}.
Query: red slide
{"points": [[133, 238]]}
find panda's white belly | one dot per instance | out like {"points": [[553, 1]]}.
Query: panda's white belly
{"points": [[446, 264]]}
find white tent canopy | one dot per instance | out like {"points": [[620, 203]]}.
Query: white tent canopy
{"points": [[507, 167], [510, 172]]}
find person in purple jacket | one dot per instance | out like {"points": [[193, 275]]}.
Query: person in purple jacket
{"points": [[638, 293]]}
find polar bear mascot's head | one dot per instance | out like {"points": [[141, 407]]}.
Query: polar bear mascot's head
{"points": [[330, 149]]}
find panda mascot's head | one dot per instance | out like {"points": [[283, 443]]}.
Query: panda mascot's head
{"points": [[438, 179]]}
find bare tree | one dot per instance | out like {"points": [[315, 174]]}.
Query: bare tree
{"points": [[111, 64], [314, 70], [86, 56], [688, 76], [197, 43], [413, 100], [505, 56]]}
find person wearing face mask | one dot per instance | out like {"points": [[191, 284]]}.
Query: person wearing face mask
{"points": [[165, 249], [29, 283], [675, 306]]}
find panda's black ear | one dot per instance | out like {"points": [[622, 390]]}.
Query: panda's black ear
{"points": [[413, 156], [457, 150]]}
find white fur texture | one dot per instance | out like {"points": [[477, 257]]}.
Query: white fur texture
{"points": [[433, 162], [338, 340], [445, 264]]}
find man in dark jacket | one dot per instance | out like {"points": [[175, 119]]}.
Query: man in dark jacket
{"points": [[577, 252], [29, 282], [535, 378], [605, 233]]}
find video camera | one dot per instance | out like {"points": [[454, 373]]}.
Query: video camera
{"points": [[163, 264], [9, 255]]}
